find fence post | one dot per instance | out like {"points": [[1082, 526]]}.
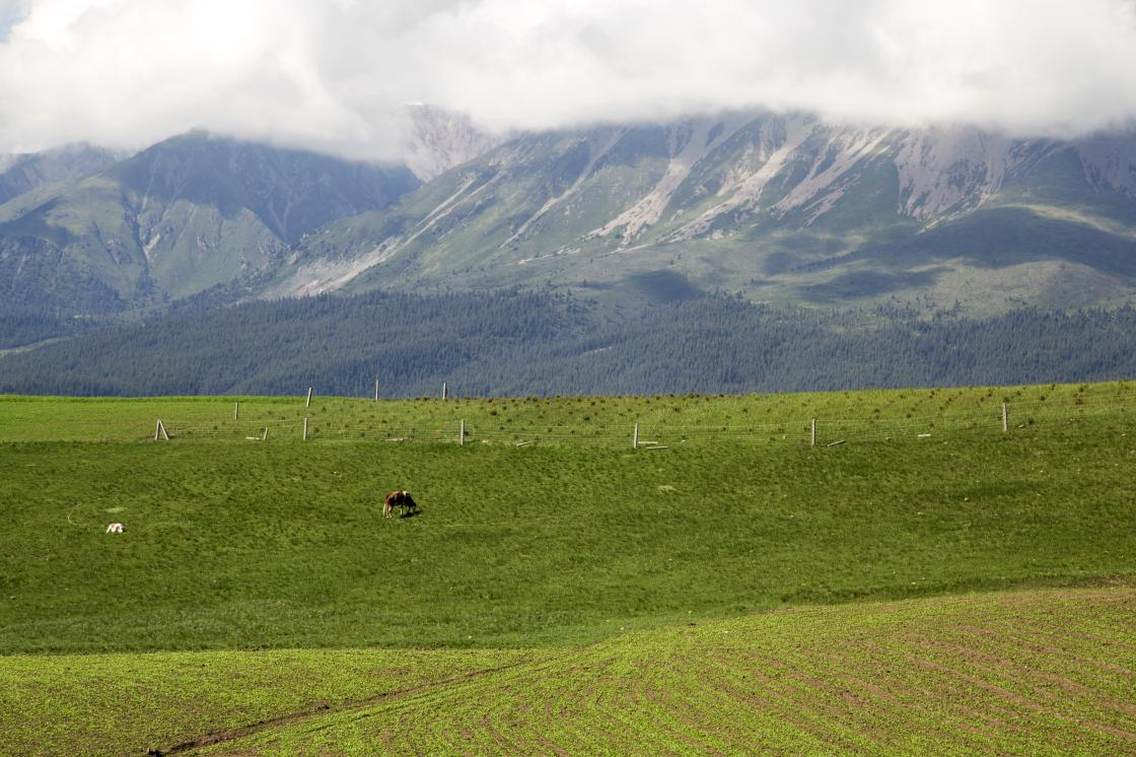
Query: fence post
{"points": [[157, 429], [305, 429], [461, 434], [1005, 418], [635, 437], [236, 410], [813, 433], [309, 401], [445, 391], [376, 390]]}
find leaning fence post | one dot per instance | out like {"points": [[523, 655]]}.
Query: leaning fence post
{"points": [[813, 433], [157, 429], [305, 429], [309, 401], [1005, 418]]}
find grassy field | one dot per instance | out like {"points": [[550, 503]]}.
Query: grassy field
{"points": [[549, 556], [974, 673], [118, 703], [957, 675], [283, 546]]}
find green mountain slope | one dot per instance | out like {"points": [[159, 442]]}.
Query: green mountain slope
{"points": [[20, 174], [185, 215]]}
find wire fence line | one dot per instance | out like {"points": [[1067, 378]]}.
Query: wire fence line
{"points": [[1048, 416]]}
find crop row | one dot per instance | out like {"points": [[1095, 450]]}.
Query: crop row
{"points": [[965, 674]]}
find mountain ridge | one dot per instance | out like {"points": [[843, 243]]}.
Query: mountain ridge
{"points": [[783, 208], [23, 173], [741, 193], [186, 214]]}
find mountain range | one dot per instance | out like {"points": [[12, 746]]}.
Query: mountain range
{"points": [[782, 208], [779, 208]]}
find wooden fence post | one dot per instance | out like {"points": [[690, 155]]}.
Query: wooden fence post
{"points": [[1005, 418], [813, 433], [445, 391], [309, 401], [376, 390], [461, 434], [157, 429], [265, 437], [305, 429], [236, 410], [635, 437]]}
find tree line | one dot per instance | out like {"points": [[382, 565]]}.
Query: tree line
{"points": [[542, 343]]}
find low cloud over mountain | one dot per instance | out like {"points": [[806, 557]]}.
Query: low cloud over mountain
{"points": [[335, 76]]}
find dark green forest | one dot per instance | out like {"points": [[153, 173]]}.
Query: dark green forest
{"points": [[18, 329], [534, 343]]}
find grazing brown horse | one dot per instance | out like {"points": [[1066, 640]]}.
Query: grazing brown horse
{"points": [[402, 499]]}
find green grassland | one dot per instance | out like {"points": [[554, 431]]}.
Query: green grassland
{"points": [[988, 673], [116, 703], [578, 562]]}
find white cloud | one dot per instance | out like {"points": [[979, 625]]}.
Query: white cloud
{"points": [[333, 74]]}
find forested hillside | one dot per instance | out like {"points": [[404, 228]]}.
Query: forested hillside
{"points": [[517, 342]]}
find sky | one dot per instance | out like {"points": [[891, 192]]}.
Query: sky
{"points": [[336, 75]]}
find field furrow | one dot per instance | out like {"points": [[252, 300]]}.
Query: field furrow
{"points": [[782, 681]]}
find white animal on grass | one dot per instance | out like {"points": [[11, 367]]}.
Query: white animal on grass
{"points": [[115, 528]]}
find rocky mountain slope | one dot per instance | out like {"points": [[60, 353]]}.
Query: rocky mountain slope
{"points": [[438, 140], [777, 207], [184, 215], [781, 207]]}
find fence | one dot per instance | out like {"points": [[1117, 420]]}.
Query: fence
{"points": [[657, 433]]}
